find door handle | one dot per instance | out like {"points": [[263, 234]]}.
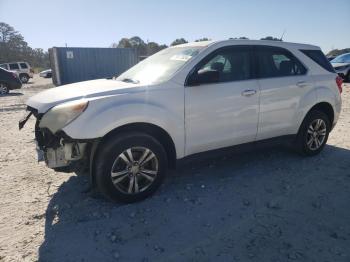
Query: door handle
{"points": [[249, 92], [302, 84]]}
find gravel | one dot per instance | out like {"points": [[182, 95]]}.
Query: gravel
{"points": [[263, 205]]}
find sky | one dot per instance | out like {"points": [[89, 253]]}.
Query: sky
{"points": [[99, 23]]}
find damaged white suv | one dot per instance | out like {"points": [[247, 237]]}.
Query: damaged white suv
{"points": [[185, 100]]}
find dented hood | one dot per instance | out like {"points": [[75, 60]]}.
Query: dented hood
{"points": [[87, 89]]}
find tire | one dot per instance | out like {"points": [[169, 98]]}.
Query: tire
{"points": [[4, 89], [111, 157], [309, 131], [347, 77], [24, 78]]}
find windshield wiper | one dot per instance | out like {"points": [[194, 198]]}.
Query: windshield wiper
{"points": [[129, 80]]}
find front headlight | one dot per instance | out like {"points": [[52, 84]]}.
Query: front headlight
{"points": [[60, 116]]}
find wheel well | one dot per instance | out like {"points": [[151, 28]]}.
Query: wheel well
{"points": [[24, 74], [325, 108], [157, 132]]}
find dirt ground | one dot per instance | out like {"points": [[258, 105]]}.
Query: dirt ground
{"points": [[263, 205]]}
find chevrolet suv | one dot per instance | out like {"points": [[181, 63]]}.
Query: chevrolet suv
{"points": [[185, 100]]}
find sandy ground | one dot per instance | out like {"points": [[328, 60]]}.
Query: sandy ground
{"points": [[264, 205]]}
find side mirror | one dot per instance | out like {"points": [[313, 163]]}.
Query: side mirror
{"points": [[204, 77]]}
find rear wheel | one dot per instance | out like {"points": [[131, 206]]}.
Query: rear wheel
{"points": [[4, 89], [131, 167], [313, 133], [24, 78]]}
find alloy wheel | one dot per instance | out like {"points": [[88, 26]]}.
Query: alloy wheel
{"points": [[316, 134], [3, 89], [134, 170], [24, 79]]}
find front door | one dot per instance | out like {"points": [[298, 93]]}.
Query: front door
{"points": [[222, 111]]}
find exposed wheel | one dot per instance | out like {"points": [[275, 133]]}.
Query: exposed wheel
{"points": [[4, 89], [24, 78], [313, 133], [130, 167]]}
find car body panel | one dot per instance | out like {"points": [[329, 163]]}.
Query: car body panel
{"points": [[162, 106], [10, 79], [87, 89], [220, 109]]}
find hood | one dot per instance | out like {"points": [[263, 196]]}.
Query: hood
{"points": [[339, 64], [45, 71], [87, 89]]}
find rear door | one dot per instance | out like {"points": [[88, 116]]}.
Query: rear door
{"points": [[283, 83]]}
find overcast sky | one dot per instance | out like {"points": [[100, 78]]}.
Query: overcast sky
{"points": [[100, 23]]}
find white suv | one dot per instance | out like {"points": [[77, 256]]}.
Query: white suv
{"points": [[22, 69], [185, 100]]}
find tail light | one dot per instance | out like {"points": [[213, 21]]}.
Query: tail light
{"points": [[339, 82], [14, 75]]}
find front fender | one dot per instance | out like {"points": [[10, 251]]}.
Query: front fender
{"points": [[105, 115]]}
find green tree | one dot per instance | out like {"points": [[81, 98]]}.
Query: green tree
{"points": [[202, 39], [336, 52], [271, 38], [179, 41], [143, 49], [13, 47]]}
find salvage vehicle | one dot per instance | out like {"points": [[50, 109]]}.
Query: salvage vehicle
{"points": [[8, 81], [185, 100], [23, 69], [341, 65]]}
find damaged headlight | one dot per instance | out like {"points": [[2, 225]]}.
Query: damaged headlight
{"points": [[60, 116]]}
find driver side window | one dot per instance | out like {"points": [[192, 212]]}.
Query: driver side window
{"points": [[226, 65]]}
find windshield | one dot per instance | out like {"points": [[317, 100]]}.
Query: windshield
{"points": [[160, 66], [342, 59]]}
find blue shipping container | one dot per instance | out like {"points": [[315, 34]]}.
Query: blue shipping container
{"points": [[75, 64]]}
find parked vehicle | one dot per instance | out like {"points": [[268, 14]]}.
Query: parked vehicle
{"points": [[8, 81], [46, 73], [22, 68], [185, 100], [341, 65]]}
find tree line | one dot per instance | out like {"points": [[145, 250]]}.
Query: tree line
{"points": [[149, 48], [14, 48]]}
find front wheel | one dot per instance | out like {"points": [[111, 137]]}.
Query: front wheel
{"points": [[131, 167], [313, 133], [4, 89]]}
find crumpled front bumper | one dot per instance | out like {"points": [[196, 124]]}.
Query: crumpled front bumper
{"points": [[57, 150]]}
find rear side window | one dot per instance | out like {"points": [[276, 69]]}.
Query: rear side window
{"points": [[23, 65], [318, 57], [277, 62], [14, 66]]}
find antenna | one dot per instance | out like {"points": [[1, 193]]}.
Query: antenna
{"points": [[284, 31]]}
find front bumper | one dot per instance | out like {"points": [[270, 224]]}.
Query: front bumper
{"points": [[57, 150]]}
